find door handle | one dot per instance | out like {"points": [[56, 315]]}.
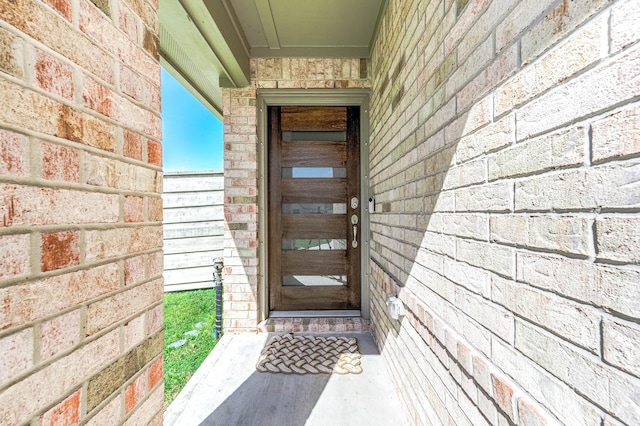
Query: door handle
{"points": [[354, 221], [354, 243]]}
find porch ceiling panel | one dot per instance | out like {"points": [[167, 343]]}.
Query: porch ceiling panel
{"points": [[312, 28], [207, 44]]}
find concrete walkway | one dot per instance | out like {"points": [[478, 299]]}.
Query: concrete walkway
{"points": [[227, 390]]}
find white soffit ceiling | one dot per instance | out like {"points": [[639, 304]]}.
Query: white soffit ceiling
{"points": [[206, 44], [308, 28]]}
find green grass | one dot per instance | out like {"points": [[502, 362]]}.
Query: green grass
{"points": [[182, 311], [304, 244]]}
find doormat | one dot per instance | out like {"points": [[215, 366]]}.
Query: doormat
{"points": [[291, 354]]}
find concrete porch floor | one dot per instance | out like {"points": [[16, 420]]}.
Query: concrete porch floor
{"points": [[227, 390]]}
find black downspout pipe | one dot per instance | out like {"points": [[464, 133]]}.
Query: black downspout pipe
{"points": [[218, 265]]}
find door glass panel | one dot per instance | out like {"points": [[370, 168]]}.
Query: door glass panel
{"points": [[314, 172], [315, 208], [314, 136], [314, 244], [314, 280]]}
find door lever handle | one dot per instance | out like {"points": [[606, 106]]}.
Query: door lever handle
{"points": [[354, 221], [354, 243]]}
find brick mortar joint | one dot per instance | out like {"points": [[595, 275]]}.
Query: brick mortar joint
{"points": [[85, 227], [88, 415], [76, 187], [85, 341], [519, 393], [79, 107], [52, 405], [139, 406], [116, 362], [39, 276], [82, 148]]}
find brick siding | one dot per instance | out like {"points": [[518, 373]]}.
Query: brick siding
{"points": [[80, 213], [505, 161], [241, 169]]}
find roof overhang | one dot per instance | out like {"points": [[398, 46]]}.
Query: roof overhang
{"points": [[207, 44]]}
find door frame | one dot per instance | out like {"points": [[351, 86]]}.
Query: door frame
{"points": [[311, 97]]}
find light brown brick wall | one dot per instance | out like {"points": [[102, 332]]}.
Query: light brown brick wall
{"points": [[80, 213], [505, 162], [241, 149]]}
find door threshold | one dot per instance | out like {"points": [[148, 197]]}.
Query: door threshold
{"points": [[320, 322], [315, 314]]}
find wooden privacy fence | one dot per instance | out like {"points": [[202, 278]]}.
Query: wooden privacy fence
{"points": [[193, 228]]}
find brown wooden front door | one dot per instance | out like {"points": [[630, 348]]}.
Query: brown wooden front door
{"points": [[314, 208]]}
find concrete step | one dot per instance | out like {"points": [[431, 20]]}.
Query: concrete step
{"points": [[314, 325]]}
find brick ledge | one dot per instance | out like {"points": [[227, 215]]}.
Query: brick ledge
{"points": [[314, 325]]}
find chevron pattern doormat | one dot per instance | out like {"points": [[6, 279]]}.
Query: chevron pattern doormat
{"points": [[291, 354]]}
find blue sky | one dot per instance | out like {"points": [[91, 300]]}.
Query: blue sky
{"points": [[192, 135]]}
